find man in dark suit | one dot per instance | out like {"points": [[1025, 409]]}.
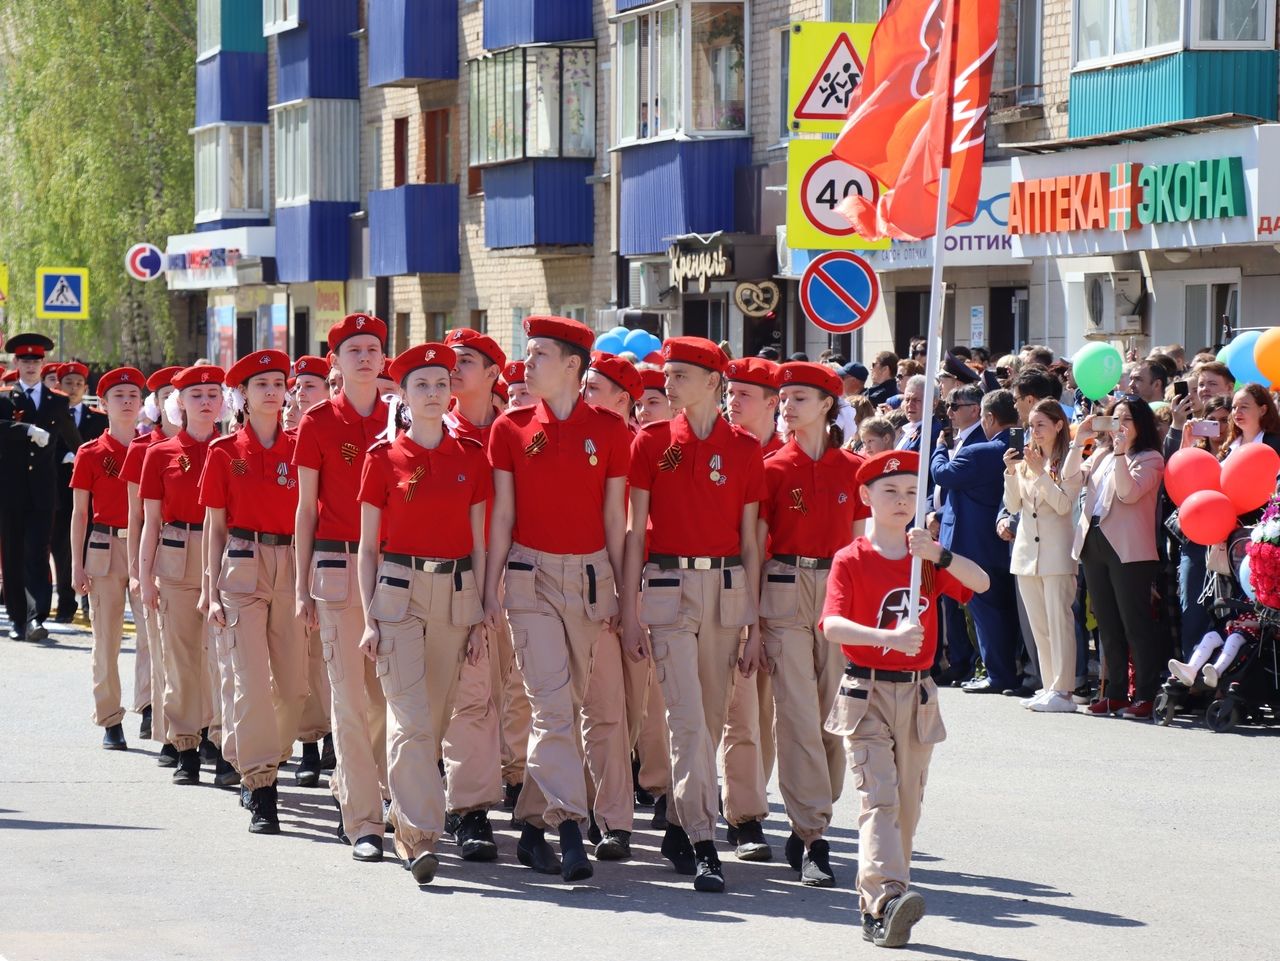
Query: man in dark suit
{"points": [[974, 484], [73, 380], [30, 415]]}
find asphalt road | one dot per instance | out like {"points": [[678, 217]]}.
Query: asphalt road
{"points": [[1043, 837]]}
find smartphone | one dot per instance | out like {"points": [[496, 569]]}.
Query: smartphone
{"points": [[1181, 388], [1018, 439], [1104, 425], [1002, 373], [1206, 428]]}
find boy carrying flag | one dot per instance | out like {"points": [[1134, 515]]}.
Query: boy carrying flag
{"points": [[887, 707]]}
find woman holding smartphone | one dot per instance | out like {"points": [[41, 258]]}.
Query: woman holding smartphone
{"points": [[1035, 487], [1116, 540]]}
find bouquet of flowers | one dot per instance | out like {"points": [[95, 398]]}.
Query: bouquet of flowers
{"points": [[1264, 556]]}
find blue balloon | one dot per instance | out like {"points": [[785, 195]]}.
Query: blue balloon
{"points": [[655, 344], [1240, 359], [636, 341], [1249, 592], [621, 331], [610, 343]]}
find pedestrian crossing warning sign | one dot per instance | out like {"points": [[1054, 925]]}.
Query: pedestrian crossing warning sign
{"points": [[825, 66], [4, 286], [62, 293]]}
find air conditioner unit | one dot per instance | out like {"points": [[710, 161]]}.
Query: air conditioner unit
{"points": [[1111, 302], [607, 318], [784, 252], [646, 283]]}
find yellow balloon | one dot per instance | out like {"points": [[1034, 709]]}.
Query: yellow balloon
{"points": [[1266, 354]]}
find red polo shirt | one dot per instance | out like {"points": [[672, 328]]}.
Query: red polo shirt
{"points": [[257, 486], [810, 505], [333, 439], [559, 491], [426, 496], [773, 446], [98, 468], [690, 513], [866, 588], [131, 473], [171, 475]]}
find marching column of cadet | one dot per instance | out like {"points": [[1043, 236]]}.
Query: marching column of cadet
{"points": [[562, 585]]}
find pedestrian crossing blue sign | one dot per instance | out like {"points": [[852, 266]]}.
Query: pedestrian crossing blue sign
{"points": [[62, 293]]}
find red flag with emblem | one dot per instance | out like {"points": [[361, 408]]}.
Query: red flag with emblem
{"points": [[922, 105]]}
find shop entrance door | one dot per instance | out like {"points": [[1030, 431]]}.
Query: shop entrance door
{"points": [[1007, 320]]}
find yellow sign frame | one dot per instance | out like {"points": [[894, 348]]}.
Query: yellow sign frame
{"points": [[802, 231], [82, 273], [812, 45], [4, 286]]}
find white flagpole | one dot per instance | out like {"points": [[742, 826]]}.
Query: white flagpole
{"points": [[936, 306]]}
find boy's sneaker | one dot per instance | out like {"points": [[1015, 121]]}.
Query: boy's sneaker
{"points": [[900, 916]]}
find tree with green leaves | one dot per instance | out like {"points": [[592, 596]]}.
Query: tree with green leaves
{"points": [[96, 101]]}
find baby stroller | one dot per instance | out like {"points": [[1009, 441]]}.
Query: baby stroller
{"points": [[1249, 685]]}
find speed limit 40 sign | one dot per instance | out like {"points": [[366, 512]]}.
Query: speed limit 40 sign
{"points": [[816, 184]]}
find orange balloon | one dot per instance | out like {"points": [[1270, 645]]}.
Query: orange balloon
{"points": [[1266, 354]]}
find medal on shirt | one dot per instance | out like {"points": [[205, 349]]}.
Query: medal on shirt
{"points": [[412, 486], [349, 452], [797, 500], [110, 466], [184, 462], [537, 445], [282, 473], [239, 467], [716, 476], [670, 459], [590, 447]]}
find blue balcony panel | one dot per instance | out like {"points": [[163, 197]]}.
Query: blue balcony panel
{"points": [[411, 41], [539, 203], [511, 22], [674, 187], [414, 230], [1181, 86], [228, 223], [231, 87], [625, 5], [320, 60], [312, 241]]}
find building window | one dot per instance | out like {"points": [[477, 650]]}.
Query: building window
{"points": [[475, 182], [437, 147], [317, 151], [1234, 23], [1027, 56], [784, 78], [230, 171], [278, 15], [574, 313], [480, 321], [400, 333], [437, 324], [1110, 29], [400, 163], [532, 102], [208, 28], [855, 11], [660, 93], [519, 339]]}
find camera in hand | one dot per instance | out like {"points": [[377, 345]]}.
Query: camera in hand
{"points": [[1018, 440], [1181, 388], [1206, 428], [1104, 425]]}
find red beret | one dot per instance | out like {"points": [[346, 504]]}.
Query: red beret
{"points": [[572, 332], [121, 376], [73, 367], [621, 372], [353, 325], [474, 340], [48, 369], [259, 362], [11, 376], [162, 378], [753, 370], [802, 374], [385, 373], [198, 376], [310, 364], [513, 373], [500, 391], [653, 380], [888, 463], [694, 350], [28, 345], [424, 355]]}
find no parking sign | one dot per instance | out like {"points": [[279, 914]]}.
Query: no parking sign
{"points": [[839, 291]]}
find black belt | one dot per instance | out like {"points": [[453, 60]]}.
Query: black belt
{"points": [[806, 563], [871, 674], [266, 540], [673, 562], [184, 526], [337, 547], [429, 565], [110, 531]]}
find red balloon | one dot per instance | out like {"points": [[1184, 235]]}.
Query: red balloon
{"points": [[1189, 470], [1249, 476], [1207, 517]]}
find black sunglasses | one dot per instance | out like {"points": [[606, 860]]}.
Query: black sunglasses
{"points": [[952, 405]]}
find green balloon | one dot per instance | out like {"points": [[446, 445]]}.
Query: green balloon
{"points": [[1097, 368]]}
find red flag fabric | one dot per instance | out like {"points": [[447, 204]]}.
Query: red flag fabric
{"points": [[897, 128]]}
